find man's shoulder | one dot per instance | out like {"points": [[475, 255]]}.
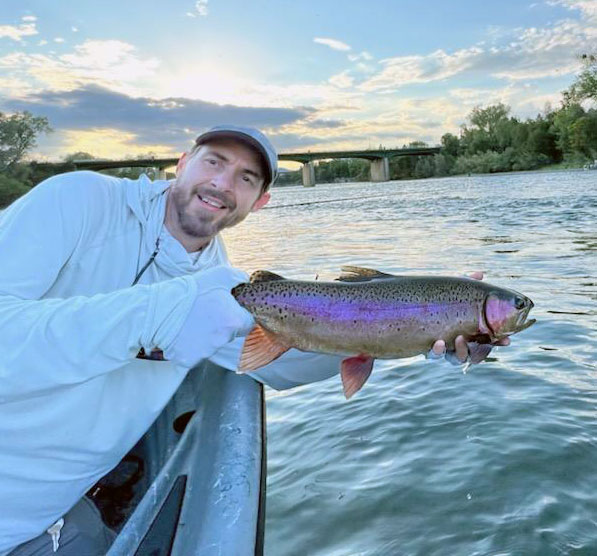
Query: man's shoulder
{"points": [[85, 180], [83, 196], [79, 185], [87, 187]]}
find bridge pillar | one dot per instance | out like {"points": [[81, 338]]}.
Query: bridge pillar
{"points": [[380, 169], [308, 174], [160, 173]]}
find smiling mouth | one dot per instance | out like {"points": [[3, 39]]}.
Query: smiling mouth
{"points": [[212, 203]]}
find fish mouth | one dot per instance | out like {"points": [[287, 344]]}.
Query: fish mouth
{"points": [[522, 323]]}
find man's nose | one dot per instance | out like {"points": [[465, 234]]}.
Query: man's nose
{"points": [[224, 180]]}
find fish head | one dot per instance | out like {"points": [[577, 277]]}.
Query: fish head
{"points": [[505, 312]]}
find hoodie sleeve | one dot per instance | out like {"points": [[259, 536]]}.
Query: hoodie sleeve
{"points": [[49, 343]]}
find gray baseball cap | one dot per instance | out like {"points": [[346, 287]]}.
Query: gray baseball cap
{"points": [[252, 137]]}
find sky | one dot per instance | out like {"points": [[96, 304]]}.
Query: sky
{"points": [[125, 79]]}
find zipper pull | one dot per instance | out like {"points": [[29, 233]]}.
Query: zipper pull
{"points": [[54, 532]]}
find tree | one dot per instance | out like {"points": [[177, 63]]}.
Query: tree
{"points": [[450, 144], [491, 129], [562, 125], [583, 135], [79, 155], [18, 133], [585, 86]]}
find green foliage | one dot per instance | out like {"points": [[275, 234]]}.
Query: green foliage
{"points": [[344, 169], [11, 189], [583, 135], [450, 145], [585, 85], [79, 155], [289, 178], [18, 133]]}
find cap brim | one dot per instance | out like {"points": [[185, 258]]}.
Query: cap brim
{"points": [[229, 134]]}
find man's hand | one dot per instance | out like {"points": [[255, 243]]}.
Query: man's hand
{"points": [[214, 319], [461, 353]]}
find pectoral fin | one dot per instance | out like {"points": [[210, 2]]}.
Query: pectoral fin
{"points": [[260, 348], [478, 352], [354, 372]]}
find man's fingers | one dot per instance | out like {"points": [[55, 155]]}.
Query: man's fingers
{"points": [[461, 349], [503, 342], [477, 275], [439, 348]]}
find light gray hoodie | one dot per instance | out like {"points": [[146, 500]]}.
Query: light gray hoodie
{"points": [[73, 397]]}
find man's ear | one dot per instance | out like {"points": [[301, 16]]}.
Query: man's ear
{"points": [[261, 202], [181, 163]]}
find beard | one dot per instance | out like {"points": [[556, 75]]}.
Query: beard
{"points": [[198, 224]]}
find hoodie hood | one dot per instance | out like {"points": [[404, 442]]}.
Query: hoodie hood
{"points": [[147, 201]]}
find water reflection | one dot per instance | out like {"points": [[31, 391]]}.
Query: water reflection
{"points": [[517, 433]]}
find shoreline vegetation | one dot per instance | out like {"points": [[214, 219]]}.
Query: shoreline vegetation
{"points": [[491, 141]]}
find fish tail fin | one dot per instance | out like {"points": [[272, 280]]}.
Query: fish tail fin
{"points": [[260, 348], [354, 372]]}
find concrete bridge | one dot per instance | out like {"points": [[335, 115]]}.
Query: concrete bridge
{"points": [[379, 158]]}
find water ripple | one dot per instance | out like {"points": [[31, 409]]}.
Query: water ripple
{"points": [[426, 460]]}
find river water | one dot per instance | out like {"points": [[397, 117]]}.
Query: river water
{"points": [[427, 459]]}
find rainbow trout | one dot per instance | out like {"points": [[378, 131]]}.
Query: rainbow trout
{"points": [[368, 314]]}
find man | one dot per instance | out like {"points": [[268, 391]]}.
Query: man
{"points": [[95, 271]]}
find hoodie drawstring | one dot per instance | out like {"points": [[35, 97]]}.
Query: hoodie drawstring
{"points": [[151, 259]]}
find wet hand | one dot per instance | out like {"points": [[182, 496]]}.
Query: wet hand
{"points": [[461, 353], [462, 349]]}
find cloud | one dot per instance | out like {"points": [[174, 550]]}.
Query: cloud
{"points": [[362, 56], [17, 32], [324, 124], [332, 43], [111, 63], [341, 80], [59, 40], [588, 8], [110, 60], [201, 9], [171, 122], [536, 53]]}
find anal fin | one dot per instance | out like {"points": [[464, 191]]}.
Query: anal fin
{"points": [[260, 348], [354, 372]]}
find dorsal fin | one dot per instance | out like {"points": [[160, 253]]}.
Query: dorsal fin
{"points": [[360, 274], [265, 276]]}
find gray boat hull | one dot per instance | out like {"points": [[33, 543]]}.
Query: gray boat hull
{"points": [[203, 492]]}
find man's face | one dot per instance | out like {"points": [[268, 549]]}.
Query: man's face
{"points": [[216, 187]]}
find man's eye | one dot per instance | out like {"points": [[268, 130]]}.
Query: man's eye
{"points": [[211, 161]]}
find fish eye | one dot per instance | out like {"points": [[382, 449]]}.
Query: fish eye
{"points": [[519, 302]]}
